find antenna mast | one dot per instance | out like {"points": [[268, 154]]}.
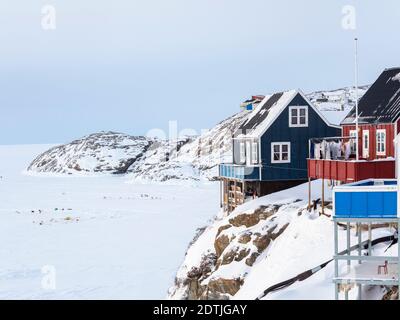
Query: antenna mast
{"points": [[356, 89]]}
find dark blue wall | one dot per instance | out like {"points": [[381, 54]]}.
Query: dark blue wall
{"points": [[280, 131]]}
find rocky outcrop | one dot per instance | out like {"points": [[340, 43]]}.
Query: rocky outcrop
{"points": [[242, 239], [104, 152], [249, 220]]}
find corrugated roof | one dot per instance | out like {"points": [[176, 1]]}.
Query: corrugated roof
{"points": [[381, 103]]}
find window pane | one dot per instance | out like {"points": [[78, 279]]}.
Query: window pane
{"points": [[276, 156], [285, 156], [303, 112], [285, 148], [302, 120], [294, 112], [277, 148]]}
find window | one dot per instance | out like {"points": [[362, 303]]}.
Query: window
{"points": [[381, 142], [242, 157], [248, 152], [298, 116], [280, 152], [353, 134], [254, 151], [366, 140]]}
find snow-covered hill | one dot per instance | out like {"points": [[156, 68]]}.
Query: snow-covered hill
{"points": [[336, 104], [107, 152], [149, 159], [192, 158]]}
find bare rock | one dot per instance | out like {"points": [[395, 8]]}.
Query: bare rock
{"points": [[249, 220], [253, 257], [222, 228], [225, 286], [220, 244], [245, 238]]}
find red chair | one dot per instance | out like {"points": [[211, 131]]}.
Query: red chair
{"points": [[384, 267]]}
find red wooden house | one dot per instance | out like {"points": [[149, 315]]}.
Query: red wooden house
{"points": [[378, 124]]}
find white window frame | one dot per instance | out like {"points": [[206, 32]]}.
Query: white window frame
{"points": [[379, 151], [298, 108], [254, 152], [242, 152], [365, 149], [353, 133], [280, 144], [248, 152]]}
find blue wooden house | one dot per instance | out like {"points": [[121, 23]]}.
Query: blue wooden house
{"points": [[271, 147]]}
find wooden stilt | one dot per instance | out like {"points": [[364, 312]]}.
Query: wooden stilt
{"points": [[235, 193], [323, 196], [221, 195], [309, 194], [244, 190]]}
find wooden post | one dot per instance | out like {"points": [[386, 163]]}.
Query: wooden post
{"points": [[244, 190], [220, 194], [309, 194], [323, 195], [235, 193]]}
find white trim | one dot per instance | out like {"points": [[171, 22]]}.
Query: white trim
{"points": [[254, 152], [355, 186], [298, 125], [242, 152], [273, 144], [277, 115], [353, 134], [365, 150], [298, 91], [380, 153]]}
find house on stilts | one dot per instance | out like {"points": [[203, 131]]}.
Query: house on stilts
{"points": [[343, 159], [378, 124], [270, 148]]}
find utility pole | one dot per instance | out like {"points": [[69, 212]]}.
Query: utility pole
{"points": [[356, 89]]}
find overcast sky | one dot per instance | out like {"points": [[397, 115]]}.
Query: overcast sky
{"points": [[131, 66]]}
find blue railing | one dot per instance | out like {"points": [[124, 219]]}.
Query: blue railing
{"points": [[234, 171]]}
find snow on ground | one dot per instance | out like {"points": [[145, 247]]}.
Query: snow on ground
{"points": [[306, 243], [106, 238]]}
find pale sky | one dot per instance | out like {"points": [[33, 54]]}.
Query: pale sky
{"points": [[131, 66]]}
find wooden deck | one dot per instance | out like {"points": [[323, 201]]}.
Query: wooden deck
{"points": [[351, 170]]}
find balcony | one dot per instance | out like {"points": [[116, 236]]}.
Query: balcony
{"points": [[239, 172], [351, 170], [346, 168]]}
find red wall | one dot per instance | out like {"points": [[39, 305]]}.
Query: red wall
{"points": [[390, 128]]}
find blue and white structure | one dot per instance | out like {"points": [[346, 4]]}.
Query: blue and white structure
{"points": [[363, 206]]}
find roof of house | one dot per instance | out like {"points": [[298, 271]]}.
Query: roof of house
{"points": [[381, 103], [265, 113]]}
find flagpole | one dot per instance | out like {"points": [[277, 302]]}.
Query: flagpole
{"points": [[356, 89]]}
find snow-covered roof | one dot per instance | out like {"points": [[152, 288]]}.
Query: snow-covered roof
{"points": [[265, 114], [381, 103]]}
